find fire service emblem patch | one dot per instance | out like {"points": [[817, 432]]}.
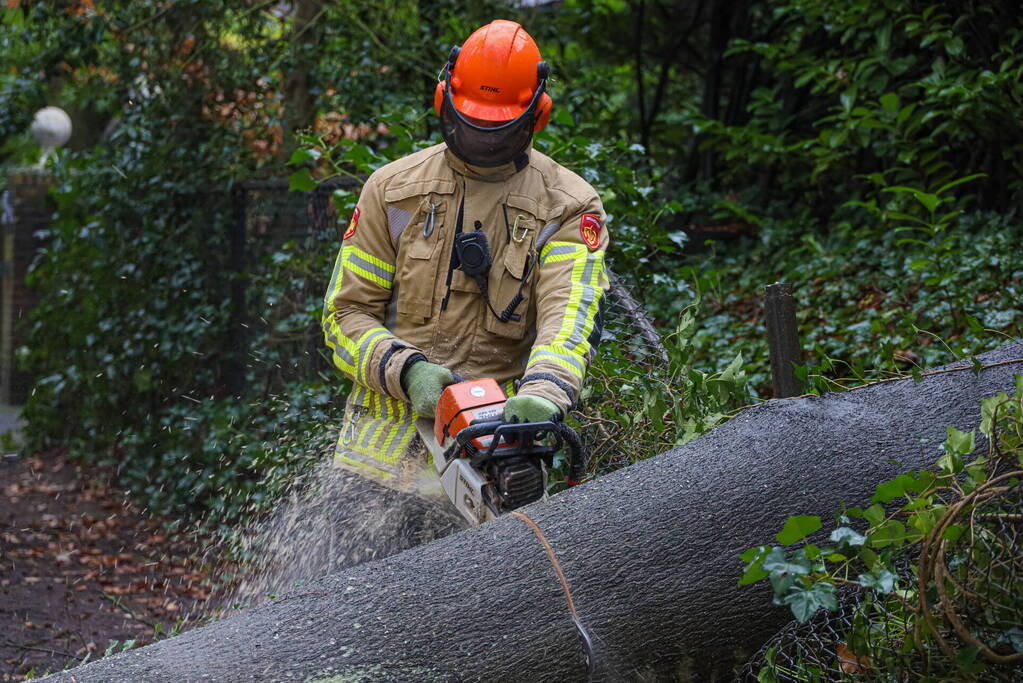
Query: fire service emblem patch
{"points": [[589, 228], [351, 226]]}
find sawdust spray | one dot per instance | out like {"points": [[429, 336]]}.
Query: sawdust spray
{"points": [[327, 520]]}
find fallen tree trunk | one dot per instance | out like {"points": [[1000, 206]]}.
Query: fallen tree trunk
{"points": [[650, 553]]}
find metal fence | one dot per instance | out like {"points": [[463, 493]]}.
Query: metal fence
{"points": [[267, 217]]}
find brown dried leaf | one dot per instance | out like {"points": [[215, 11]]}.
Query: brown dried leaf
{"points": [[849, 662]]}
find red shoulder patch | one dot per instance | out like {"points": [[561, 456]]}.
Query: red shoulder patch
{"points": [[590, 227], [351, 226]]}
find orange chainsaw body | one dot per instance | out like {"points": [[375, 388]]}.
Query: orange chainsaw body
{"points": [[462, 404]]}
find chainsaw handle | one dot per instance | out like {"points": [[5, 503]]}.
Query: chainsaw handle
{"points": [[577, 464], [563, 434]]}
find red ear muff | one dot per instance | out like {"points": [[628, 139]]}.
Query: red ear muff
{"points": [[438, 93], [543, 112], [438, 96]]}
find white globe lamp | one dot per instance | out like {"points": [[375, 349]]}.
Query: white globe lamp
{"points": [[51, 127]]}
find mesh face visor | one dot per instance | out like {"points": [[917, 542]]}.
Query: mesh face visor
{"points": [[487, 145]]}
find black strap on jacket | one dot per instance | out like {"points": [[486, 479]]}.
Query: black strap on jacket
{"points": [[451, 262]]}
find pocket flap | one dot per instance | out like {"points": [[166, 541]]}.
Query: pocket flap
{"points": [[516, 257], [527, 204], [418, 187]]}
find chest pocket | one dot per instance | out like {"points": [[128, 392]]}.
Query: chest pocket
{"points": [[514, 271], [428, 204]]}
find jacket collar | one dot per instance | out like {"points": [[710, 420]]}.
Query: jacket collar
{"points": [[487, 175]]}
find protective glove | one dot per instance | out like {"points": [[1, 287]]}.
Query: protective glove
{"points": [[526, 408], [424, 382]]}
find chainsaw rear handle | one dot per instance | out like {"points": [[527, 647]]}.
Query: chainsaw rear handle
{"points": [[527, 432]]}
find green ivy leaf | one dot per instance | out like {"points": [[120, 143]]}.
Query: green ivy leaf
{"points": [[962, 443], [798, 527], [804, 602], [874, 514], [562, 117], [967, 656], [303, 154], [754, 557], [892, 532], [302, 181], [777, 562], [890, 490], [956, 446], [988, 408], [844, 534], [883, 582]]}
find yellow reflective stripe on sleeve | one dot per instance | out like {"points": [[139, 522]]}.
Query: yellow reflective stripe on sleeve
{"points": [[394, 453], [367, 266], [561, 251], [557, 355], [343, 349], [402, 411], [365, 350], [583, 305], [571, 343]]}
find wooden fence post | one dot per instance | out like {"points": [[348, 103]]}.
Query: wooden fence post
{"points": [[783, 339]]}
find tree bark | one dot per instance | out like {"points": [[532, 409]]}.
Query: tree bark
{"points": [[650, 553]]}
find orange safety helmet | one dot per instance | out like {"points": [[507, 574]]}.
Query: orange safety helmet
{"points": [[491, 95]]}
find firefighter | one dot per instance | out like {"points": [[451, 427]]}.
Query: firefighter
{"points": [[479, 256]]}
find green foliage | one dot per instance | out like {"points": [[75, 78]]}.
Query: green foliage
{"points": [[871, 303], [868, 93], [130, 339], [892, 549], [833, 141], [635, 406]]}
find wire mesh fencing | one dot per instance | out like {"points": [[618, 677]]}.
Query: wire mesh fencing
{"points": [[630, 357], [956, 615]]}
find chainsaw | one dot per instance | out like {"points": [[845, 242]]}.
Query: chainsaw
{"points": [[488, 466]]}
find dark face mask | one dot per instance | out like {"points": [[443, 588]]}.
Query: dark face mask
{"points": [[487, 145]]}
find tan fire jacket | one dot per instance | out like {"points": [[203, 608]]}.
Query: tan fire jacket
{"points": [[393, 294]]}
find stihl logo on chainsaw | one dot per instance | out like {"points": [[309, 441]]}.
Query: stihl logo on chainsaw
{"points": [[490, 88]]}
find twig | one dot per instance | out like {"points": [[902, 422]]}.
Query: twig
{"points": [[147, 20], [991, 516], [48, 651], [121, 606]]}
